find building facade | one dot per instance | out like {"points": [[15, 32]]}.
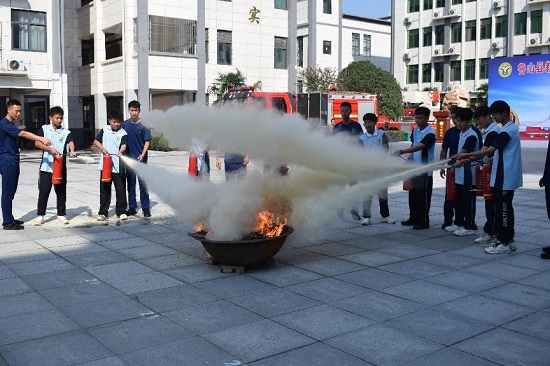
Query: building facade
{"points": [[443, 43]]}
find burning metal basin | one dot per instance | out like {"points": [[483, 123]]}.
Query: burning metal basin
{"points": [[243, 252]]}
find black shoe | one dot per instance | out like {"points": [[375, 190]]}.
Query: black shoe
{"points": [[408, 222], [131, 212], [421, 227], [545, 255], [355, 215], [146, 212], [13, 226], [546, 249], [18, 222]]}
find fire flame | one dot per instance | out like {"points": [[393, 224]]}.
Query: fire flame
{"points": [[270, 225], [200, 227]]}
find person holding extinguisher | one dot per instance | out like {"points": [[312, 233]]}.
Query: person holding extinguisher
{"points": [[62, 140], [112, 141]]}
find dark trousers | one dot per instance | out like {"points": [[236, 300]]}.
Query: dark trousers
{"points": [[504, 216], [489, 227], [420, 199], [143, 192], [44, 189], [119, 180], [383, 202], [10, 180], [547, 194], [449, 211], [465, 204]]}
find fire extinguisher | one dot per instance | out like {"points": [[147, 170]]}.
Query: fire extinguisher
{"points": [[107, 166], [480, 186], [488, 193], [450, 185], [192, 169], [57, 174]]}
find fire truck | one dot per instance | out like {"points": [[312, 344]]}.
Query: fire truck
{"points": [[281, 101]]}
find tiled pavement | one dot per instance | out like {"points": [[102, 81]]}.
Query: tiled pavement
{"points": [[141, 293]]}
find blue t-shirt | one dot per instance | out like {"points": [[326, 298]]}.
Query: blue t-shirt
{"points": [[353, 128], [9, 152], [137, 135]]}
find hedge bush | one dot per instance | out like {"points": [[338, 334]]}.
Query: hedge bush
{"points": [[159, 143]]}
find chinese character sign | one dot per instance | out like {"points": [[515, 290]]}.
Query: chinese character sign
{"points": [[254, 18]]}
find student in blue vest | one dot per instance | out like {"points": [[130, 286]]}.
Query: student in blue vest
{"points": [[422, 150], [112, 140], [373, 138], [9, 161], [62, 140], [449, 147], [465, 175], [506, 176], [139, 140]]}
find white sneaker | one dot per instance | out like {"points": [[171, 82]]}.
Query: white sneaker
{"points": [[463, 232], [452, 228], [365, 221], [486, 239], [102, 218], [63, 220], [512, 245], [388, 220], [498, 248], [38, 221], [123, 217]]}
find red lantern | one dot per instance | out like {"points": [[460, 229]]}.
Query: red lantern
{"points": [[488, 193], [192, 170], [450, 185], [107, 166], [479, 181], [57, 174]]}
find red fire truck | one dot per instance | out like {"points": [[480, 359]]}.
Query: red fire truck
{"points": [[281, 101]]}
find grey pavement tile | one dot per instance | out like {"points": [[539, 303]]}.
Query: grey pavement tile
{"points": [[212, 316], [451, 260], [233, 286], [374, 278], [284, 276], [334, 249], [449, 357], [153, 250], [144, 229], [12, 237], [42, 281], [193, 351], [467, 281], [27, 256], [339, 235], [526, 260], [97, 259], [486, 309], [116, 270], [196, 273], [172, 261], [29, 302], [12, 286], [99, 234], [384, 345], [330, 266], [63, 349], [541, 280], [415, 268], [402, 237], [323, 321], [174, 298], [109, 361], [408, 251], [5, 272], [142, 282], [425, 292], [17, 246], [77, 249], [42, 266], [274, 302], [62, 240], [372, 258], [443, 244], [136, 334], [327, 290], [476, 251], [440, 325], [502, 271], [316, 354], [29, 326], [253, 341], [125, 243], [369, 242], [506, 347], [295, 255], [378, 306], [81, 293], [534, 325], [105, 311], [522, 295]]}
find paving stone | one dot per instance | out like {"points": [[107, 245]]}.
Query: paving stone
{"points": [[174, 298], [521, 294], [5, 272], [408, 251], [97, 259], [80, 293], [172, 261], [274, 302], [68, 251], [450, 357], [467, 281], [425, 292], [126, 243], [372, 258], [331, 266], [16, 246], [293, 256], [415, 268], [284, 276], [117, 270], [19, 304], [12, 286], [327, 290], [60, 241], [534, 325], [541, 280], [501, 270], [109, 361], [42, 266], [149, 251], [334, 249], [374, 278], [196, 273], [143, 282], [42, 281], [233, 286]]}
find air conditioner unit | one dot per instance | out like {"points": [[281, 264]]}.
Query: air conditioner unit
{"points": [[453, 12], [495, 45], [436, 52], [496, 5], [451, 50], [407, 20], [450, 87], [406, 57], [534, 40], [15, 65], [405, 88], [436, 14]]}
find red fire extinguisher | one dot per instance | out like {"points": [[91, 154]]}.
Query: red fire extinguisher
{"points": [[488, 193], [192, 169], [479, 181], [107, 166], [450, 185], [57, 174]]}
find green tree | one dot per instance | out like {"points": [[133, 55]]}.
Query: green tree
{"points": [[318, 80], [225, 81], [365, 77], [482, 95]]}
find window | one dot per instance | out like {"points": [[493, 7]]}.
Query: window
{"points": [[87, 51], [470, 1], [469, 69], [84, 2], [281, 4], [438, 71], [206, 44], [520, 23], [300, 52], [412, 38], [439, 3], [485, 28], [327, 6], [536, 21], [412, 74], [225, 51], [439, 32], [456, 2], [327, 47], [28, 30], [501, 26], [113, 45], [355, 39], [428, 4], [172, 35], [456, 32], [426, 73], [280, 53], [414, 6], [366, 45], [470, 26], [427, 36], [455, 70], [483, 68]]}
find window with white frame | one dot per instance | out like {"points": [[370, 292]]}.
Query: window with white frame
{"points": [[225, 49], [172, 35], [300, 52], [327, 47], [281, 51], [355, 39], [28, 30], [366, 45], [281, 4], [327, 6]]}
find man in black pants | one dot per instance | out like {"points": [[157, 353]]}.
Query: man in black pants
{"points": [[545, 182]]}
